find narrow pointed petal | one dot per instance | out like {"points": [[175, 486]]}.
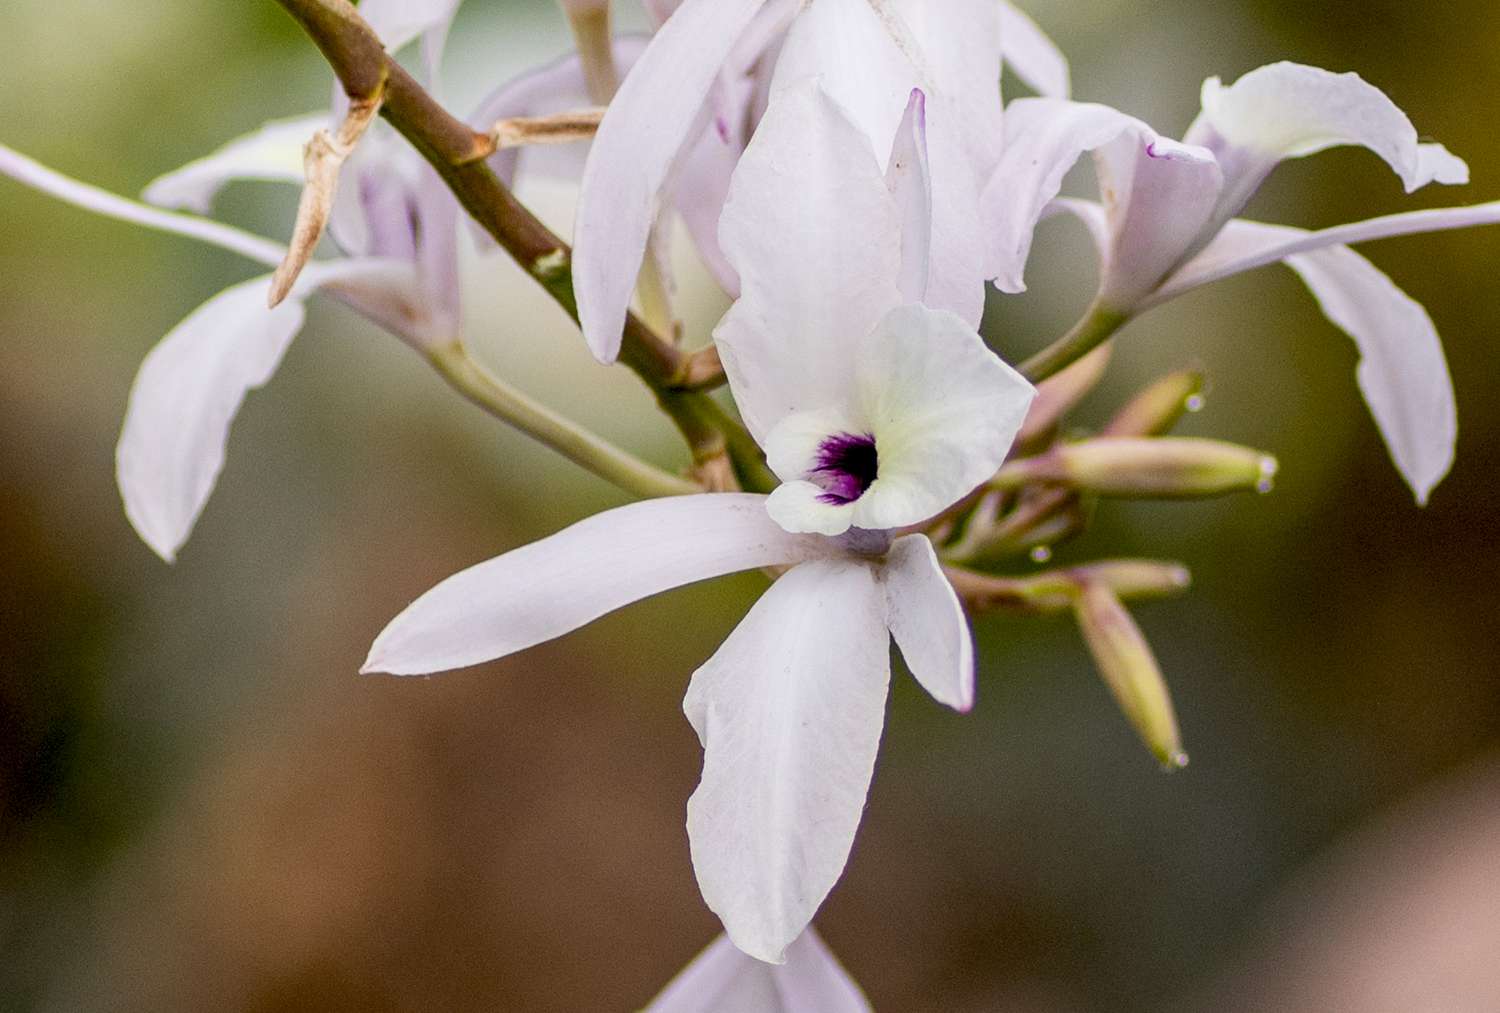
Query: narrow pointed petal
{"points": [[1288, 110], [271, 154], [187, 393], [723, 979], [943, 409], [815, 236], [789, 711], [1044, 139], [910, 180], [648, 125], [543, 590], [91, 198], [1237, 250], [928, 622], [1034, 57], [1402, 371]]}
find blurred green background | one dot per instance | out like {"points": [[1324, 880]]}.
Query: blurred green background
{"points": [[202, 806]]}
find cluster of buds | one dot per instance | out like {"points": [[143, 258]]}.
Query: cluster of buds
{"points": [[850, 177]]}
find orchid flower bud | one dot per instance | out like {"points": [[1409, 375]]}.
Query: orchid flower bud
{"points": [[1155, 410], [1159, 468], [590, 20], [1130, 670]]}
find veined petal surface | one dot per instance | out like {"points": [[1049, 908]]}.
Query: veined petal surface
{"points": [[815, 236], [543, 590], [789, 711]]}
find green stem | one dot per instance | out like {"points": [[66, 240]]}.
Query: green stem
{"points": [[1098, 325], [546, 426]]}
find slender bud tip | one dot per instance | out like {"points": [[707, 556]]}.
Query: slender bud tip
{"points": [[1174, 761], [1268, 468], [1194, 403]]}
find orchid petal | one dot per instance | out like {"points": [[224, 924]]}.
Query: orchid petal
{"points": [[647, 126], [1044, 138], [723, 979], [1034, 57], [1289, 110], [909, 178], [91, 198], [187, 393], [1402, 371], [789, 711], [1161, 197], [852, 49], [1230, 255], [814, 234], [928, 622], [543, 590], [271, 154], [943, 409]]}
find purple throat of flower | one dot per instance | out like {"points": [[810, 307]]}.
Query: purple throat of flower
{"points": [[845, 467]]}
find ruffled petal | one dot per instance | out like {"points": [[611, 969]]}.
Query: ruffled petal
{"points": [[723, 979], [1289, 110], [543, 590], [789, 711], [815, 236], [1161, 198], [649, 123], [271, 154], [928, 622], [1044, 139], [943, 409]]}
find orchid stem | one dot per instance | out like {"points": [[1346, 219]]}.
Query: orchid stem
{"points": [[577, 444], [457, 152], [1098, 325]]}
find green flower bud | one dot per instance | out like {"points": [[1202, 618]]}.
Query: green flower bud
{"points": [[1130, 671]]}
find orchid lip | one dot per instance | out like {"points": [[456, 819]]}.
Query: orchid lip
{"points": [[847, 465]]}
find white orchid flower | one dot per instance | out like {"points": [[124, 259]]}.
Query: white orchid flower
{"points": [[395, 222], [877, 412], [722, 979], [870, 55], [1168, 223]]}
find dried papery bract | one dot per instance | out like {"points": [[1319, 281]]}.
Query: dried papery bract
{"points": [[558, 128], [590, 21], [324, 156]]}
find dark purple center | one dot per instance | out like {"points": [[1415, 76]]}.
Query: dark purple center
{"points": [[845, 467]]}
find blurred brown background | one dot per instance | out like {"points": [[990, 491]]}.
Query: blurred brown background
{"points": [[203, 806]]}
